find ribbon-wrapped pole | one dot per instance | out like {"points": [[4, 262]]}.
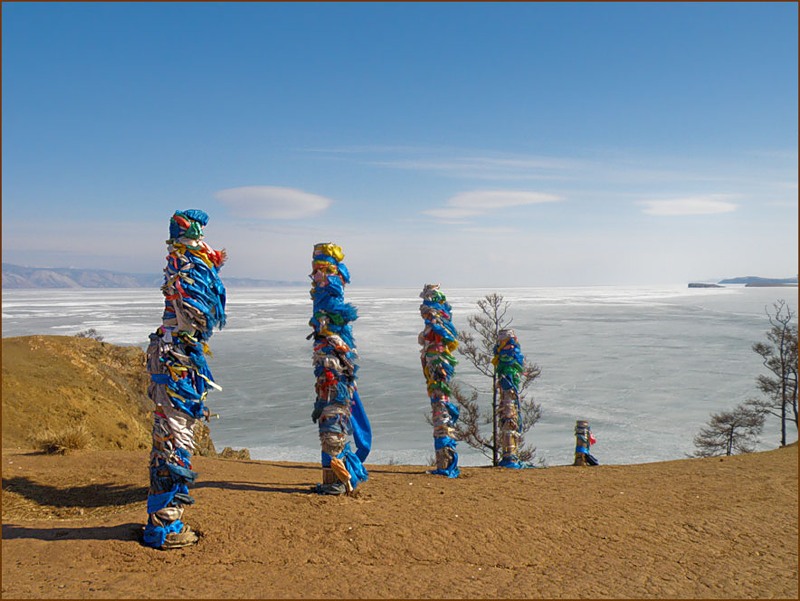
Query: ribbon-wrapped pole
{"points": [[338, 408], [439, 339], [508, 362], [180, 378]]}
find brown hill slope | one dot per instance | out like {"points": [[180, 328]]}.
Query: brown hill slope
{"points": [[51, 384], [56, 382]]}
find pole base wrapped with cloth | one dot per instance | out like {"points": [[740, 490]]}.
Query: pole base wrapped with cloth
{"points": [[439, 340], [584, 439], [338, 408], [180, 378]]}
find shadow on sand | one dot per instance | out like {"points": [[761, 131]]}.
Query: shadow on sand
{"points": [[254, 486], [124, 532], [87, 496]]}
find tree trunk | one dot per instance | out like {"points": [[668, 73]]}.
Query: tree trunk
{"points": [[784, 373], [495, 446], [783, 423]]}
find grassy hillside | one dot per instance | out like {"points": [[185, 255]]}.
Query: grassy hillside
{"points": [[58, 384]]}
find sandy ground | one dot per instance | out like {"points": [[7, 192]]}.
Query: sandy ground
{"points": [[699, 528]]}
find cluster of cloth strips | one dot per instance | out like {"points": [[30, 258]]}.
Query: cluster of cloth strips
{"points": [[439, 341], [180, 378], [338, 409]]}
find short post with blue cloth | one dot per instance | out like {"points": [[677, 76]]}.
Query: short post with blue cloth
{"points": [[584, 439]]}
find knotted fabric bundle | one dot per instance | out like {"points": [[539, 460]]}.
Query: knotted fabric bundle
{"points": [[439, 340], [338, 408], [180, 378]]}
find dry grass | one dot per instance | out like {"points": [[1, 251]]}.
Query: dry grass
{"points": [[54, 383], [61, 442]]}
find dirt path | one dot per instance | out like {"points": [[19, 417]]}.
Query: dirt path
{"points": [[700, 528]]}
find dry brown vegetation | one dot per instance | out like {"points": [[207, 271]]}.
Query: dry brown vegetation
{"points": [[57, 383], [72, 438], [69, 392]]}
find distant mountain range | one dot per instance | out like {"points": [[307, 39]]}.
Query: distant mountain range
{"points": [[16, 276], [748, 281]]}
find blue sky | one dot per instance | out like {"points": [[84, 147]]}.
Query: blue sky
{"points": [[470, 144]]}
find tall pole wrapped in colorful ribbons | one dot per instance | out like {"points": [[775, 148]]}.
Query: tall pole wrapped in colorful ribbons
{"points": [[194, 304], [439, 339], [508, 362], [338, 408]]}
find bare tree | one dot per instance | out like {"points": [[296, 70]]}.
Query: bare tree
{"points": [[478, 347], [730, 432], [90, 333], [779, 355]]}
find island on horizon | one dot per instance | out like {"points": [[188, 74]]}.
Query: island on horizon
{"points": [[750, 281]]}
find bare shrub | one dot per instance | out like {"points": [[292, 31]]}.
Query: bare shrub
{"points": [[90, 333], [61, 442], [231, 453]]}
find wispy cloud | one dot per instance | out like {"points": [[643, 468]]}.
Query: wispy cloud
{"points": [[690, 205], [480, 202], [354, 149], [271, 202], [458, 163], [595, 166], [487, 168], [491, 231], [782, 204]]}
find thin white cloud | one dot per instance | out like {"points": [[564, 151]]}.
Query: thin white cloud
{"points": [[500, 230], [591, 167], [782, 204], [480, 202], [453, 213], [488, 200], [271, 202], [486, 168], [691, 205], [368, 149], [458, 163]]}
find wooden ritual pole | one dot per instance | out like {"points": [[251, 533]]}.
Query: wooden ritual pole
{"points": [[180, 378], [439, 339], [508, 361], [337, 409]]}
